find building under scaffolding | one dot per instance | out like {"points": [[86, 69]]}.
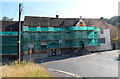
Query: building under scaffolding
{"points": [[50, 38], [9, 43], [58, 36], [53, 36], [9, 37]]}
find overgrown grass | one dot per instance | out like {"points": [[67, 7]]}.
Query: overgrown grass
{"points": [[24, 70]]}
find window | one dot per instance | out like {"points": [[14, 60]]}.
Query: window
{"points": [[43, 46], [103, 40], [81, 23]]}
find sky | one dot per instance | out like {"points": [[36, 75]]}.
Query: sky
{"points": [[63, 8]]}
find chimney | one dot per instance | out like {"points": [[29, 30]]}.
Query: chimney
{"points": [[102, 18], [57, 16], [80, 17]]}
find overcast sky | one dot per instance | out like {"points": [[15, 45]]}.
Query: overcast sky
{"points": [[64, 8]]}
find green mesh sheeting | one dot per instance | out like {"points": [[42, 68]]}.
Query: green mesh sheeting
{"points": [[52, 44], [58, 29], [9, 49], [8, 33], [91, 34], [56, 38], [97, 29], [9, 45], [91, 42], [62, 37], [81, 28], [96, 35], [61, 40], [59, 35], [97, 42]]}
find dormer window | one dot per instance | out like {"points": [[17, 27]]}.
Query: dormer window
{"points": [[81, 23]]}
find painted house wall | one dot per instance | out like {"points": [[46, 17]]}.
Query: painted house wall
{"points": [[106, 35], [107, 44], [78, 24], [103, 46]]}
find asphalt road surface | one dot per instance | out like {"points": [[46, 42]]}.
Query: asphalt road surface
{"points": [[101, 64]]}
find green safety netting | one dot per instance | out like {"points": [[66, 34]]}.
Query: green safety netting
{"points": [[97, 29], [81, 28], [57, 36], [9, 49], [9, 44], [58, 29], [8, 33], [61, 38]]}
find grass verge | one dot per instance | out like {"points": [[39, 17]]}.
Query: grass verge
{"points": [[24, 70]]}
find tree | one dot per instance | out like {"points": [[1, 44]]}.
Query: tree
{"points": [[118, 25], [113, 20], [7, 19]]}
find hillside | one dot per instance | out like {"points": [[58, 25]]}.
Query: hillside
{"points": [[115, 20]]}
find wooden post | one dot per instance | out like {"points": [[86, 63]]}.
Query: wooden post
{"points": [[19, 33]]}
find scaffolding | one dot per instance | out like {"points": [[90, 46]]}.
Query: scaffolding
{"points": [[9, 43], [55, 37], [52, 37]]}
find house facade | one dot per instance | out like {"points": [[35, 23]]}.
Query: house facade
{"points": [[114, 36], [8, 41], [49, 36], [104, 33], [56, 36]]}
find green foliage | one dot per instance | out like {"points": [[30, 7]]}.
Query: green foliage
{"points": [[118, 25], [113, 20], [17, 64], [7, 19]]}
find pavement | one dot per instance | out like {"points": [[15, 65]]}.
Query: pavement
{"points": [[101, 65], [58, 74], [62, 75]]}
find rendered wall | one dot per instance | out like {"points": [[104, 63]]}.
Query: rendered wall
{"points": [[107, 44]]}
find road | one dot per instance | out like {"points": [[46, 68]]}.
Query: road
{"points": [[101, 64]]}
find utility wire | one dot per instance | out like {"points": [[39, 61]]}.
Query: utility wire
{"points": [[16, 11]]}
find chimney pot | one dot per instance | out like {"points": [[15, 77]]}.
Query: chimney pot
{"points": [[101, 18], [80, 17], [57, 16]]}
